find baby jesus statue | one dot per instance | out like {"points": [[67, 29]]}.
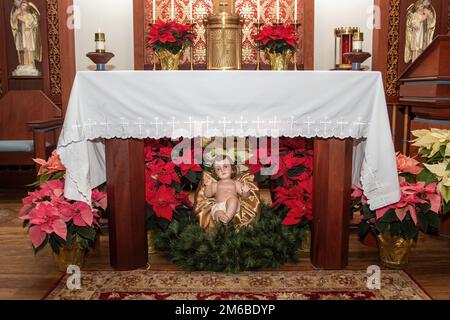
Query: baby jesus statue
{"points": [[226, 190]]}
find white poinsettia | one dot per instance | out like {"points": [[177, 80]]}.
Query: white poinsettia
{"points": [[443, 175], [432, 140]]}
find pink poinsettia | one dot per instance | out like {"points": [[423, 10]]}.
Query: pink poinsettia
{"points": [[45, 219], [79, 212], [358, 193], [408, 165], [52, 165], [411, 196], [99, 199]]}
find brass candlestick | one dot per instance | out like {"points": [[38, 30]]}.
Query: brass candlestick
{"points": [[296, 25], [191, 54], [154, 53], [258, 26]]}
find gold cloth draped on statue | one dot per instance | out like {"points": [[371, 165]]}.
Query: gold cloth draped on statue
{"points": [[250, 207]]}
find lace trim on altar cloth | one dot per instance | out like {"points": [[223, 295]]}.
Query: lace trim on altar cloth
{"points": [[159, 128]]}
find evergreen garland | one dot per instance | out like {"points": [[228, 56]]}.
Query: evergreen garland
{"points": [[265, 244]]}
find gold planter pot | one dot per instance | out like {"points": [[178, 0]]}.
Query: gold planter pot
{"points": [[279, 61], [394, 251], [168, 60], [69, 256], [151, 242], [305, 245]]}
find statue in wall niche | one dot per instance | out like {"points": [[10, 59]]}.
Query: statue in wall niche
{"points": [[225, 196], [25, 22], [420, 28]]}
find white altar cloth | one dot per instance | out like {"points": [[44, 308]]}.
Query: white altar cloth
{"points": [[155, 104]]}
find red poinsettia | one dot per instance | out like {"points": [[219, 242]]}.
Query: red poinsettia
{"points": [[163, 172], [163, 201], [170, 35], [297, 199], [277, 38]]}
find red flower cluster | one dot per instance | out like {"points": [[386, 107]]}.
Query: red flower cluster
{"points": [[169, 35], [277, 38], [164, 178], [293, 177]]}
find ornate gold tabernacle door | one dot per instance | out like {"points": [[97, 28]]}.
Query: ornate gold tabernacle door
{"points": [[223, 39]]}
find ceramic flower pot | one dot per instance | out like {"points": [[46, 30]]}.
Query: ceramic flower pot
{"points": [[67, 256], [394, 251], [279, 61], [169, 61]]}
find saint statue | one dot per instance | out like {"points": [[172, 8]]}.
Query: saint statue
{"points": [[224, 196], [420, 27], [25, 20]]}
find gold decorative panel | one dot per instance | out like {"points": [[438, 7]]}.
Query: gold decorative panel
{"points": [[392, 89], [54, 52], [247, 9]]}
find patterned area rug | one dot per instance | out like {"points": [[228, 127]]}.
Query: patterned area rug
{"points": [[281, 285]]}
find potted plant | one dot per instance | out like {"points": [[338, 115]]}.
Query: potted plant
{"points": [[279, 42], [164, 194], [434, 148], [168, 40], [397, 225], [70, 227]]}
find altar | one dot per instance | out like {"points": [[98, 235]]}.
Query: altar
{"points": [[109, 115]]}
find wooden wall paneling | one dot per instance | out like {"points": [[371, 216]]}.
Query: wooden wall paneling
{"points": [[3, 57], [67, 45], [139, 37], [380, 43]]}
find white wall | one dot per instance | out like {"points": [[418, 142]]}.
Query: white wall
{"points": [[115, 18], [331, 14]]}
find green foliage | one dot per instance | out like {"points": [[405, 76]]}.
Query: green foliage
{"points": [[265, 244], [427, 177]]}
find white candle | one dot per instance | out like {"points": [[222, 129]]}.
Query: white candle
{"points": [[295, 11], [172, 9], [154, 11], [258, 11], [278, 10]]}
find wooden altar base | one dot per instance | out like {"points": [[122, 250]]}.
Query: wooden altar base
{"points": [[331, 203]]}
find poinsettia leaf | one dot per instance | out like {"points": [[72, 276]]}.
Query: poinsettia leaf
{"points": [[82, 243], [448, 167], [54, 244], [380, 226], [410, 230], [442, 150], [42, 246], [409, 177], [427, 177], [364, 228], [395, 229], [389, 216], [87, 233], [434, 220], [192, 177], [423, 222], [445, 207]]}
